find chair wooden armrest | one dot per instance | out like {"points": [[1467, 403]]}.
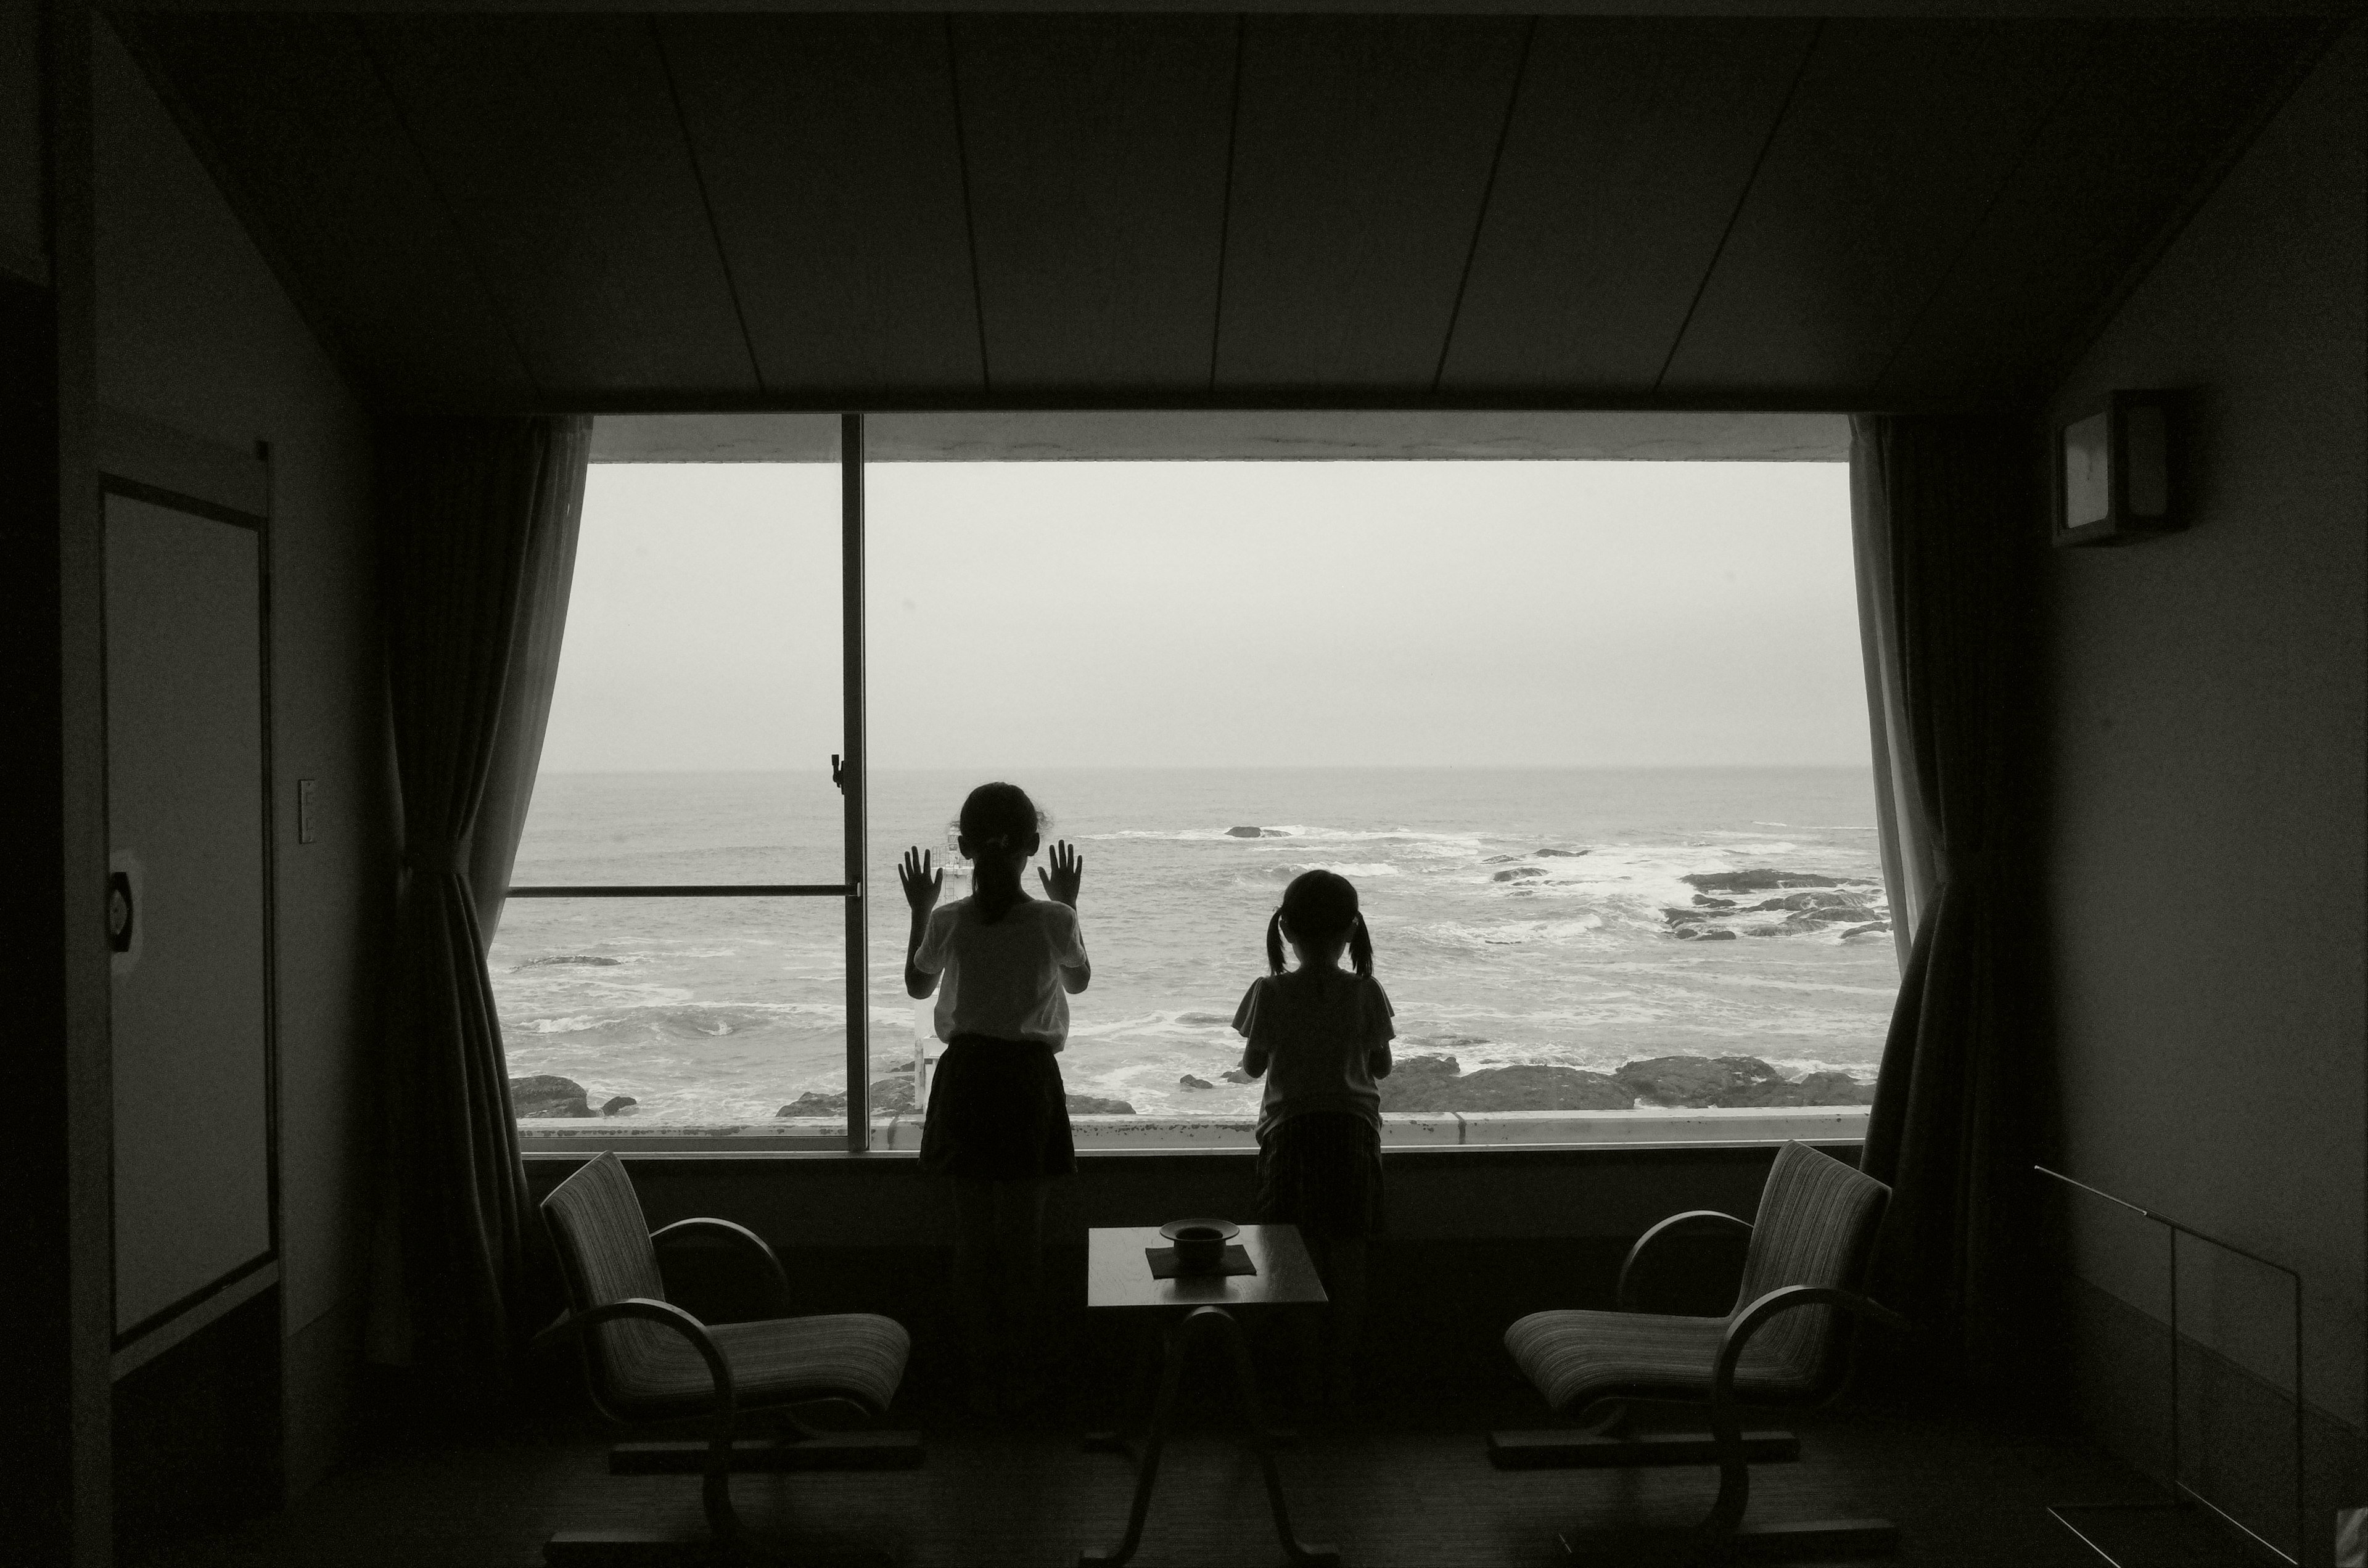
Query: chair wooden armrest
{"points": [[750, 1245], [1726, 1420], [715, 1490], [1624, 1297]]}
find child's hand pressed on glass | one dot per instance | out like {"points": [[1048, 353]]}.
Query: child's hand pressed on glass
{"points": [[1069, 869], [921, 884]]}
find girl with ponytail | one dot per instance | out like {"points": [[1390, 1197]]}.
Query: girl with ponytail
{"points": [[1003, 965], [1320, 1036]]}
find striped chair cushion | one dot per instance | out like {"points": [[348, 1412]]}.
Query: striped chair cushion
{"points": [[1816, 1220], [1574, 1358], [655, 1374], [648, 1371]]}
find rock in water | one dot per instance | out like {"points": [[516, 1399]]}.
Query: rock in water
{"points": [[1189, 1081], [1499, 1088], [589, 962], [1759, 879], [1547, 853], [888, 1096], [1519, 874], [1095, 1105], [618, 1104], [546, 1095], [1696, 1080], [1245, 833]]}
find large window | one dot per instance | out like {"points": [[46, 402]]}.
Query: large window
{"points": [[1590, 738]]}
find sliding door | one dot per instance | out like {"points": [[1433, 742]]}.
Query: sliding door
{"points": [[188, 907]]}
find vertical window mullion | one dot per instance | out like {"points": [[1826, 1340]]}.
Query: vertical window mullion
{"points": [[855, 782]]}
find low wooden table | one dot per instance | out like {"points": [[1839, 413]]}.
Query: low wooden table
{"points": [[1119, 1281]]}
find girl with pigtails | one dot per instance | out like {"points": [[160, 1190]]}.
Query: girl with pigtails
{"points": [[1003, 965], [1320, 1036]]}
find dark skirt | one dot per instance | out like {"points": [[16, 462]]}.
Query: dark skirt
{"points": [[1322, 1171], [997, 1112]]}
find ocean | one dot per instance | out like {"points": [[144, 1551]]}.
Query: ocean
{"points": [[1518, 916]]}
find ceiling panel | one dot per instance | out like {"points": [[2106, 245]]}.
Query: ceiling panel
{"points": [[2152, 107], [1897, 140], [1360, 160], [830, 152], [1098, 149], [555, 144], [1630, 148], [604, 212], [293, 111]]}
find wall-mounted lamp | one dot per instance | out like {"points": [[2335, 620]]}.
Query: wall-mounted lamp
{"points": [[2117, 478]]}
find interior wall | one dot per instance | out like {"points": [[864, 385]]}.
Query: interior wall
{"points": [[194, 331], [24, 228], [2206, 874]]}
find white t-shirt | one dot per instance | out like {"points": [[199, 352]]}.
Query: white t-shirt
{"points": [[1319, 1028], [1002, 980]]}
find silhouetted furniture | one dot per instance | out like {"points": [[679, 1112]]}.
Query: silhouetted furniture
{"points": [[1784, 1343], [1119, 1282], [648, 1361]]}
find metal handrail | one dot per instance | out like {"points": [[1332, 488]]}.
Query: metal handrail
{"points": [[689, 890], [2179, 1490]]}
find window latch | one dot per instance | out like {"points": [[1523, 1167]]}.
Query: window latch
{"points": [[837, 774]]}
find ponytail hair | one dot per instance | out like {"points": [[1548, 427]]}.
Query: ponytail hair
{"points": [[996, 818], [1321, 907]]}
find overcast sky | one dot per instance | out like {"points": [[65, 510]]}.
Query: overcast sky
{"points": [[1215, 614]]}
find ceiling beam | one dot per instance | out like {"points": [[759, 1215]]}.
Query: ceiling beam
{"points": [[1155, 436]]}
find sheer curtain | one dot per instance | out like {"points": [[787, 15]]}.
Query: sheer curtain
{"points": [[1947, 538], [477, 521]]}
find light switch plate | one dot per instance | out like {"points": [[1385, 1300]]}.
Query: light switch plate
{"points": [[308, 825]]}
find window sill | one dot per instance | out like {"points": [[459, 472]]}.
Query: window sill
{"points": [[900, 1135]]}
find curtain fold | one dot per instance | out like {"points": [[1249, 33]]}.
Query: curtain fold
{"points": [[1941, 511], [477, 522]]}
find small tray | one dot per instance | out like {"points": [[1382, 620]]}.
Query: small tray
{"points": [[1163, 1264]]}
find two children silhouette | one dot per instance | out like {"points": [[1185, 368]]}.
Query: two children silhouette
{"points": [[1003, 966]]}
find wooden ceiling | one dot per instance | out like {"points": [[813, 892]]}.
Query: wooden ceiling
{"points": [[615, 211]]}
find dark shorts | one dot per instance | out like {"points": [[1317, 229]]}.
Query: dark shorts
{"points": [[1320, 1170], [997, 1110]]}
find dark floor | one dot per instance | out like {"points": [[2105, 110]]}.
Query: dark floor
{"points": [[1402, 1481]]}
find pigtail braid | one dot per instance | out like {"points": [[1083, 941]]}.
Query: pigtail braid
{"points": [[1274, 943], [1360, 945]]}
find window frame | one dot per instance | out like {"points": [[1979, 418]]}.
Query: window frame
{"points": [[900, 1134], [847, 771]]}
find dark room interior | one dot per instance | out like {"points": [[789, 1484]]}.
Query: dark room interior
{"points": [[329, 274]]}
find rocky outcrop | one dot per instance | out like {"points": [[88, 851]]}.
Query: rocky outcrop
{"points": [[572, 958], [1255, 832], [1519, 874], [1549, 854], [1821, 903], [1189, 1081], [546, 1095], [888, 1096], [1096, 1105], [617, 1105], [1735, 1082], [1436, 1084], [1761, 879]]}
